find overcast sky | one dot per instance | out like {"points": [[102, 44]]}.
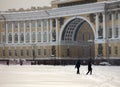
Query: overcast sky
{"points": [[9, 4]]}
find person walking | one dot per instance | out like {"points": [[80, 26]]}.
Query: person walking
{"points": [[89, 68], [77, 65]]}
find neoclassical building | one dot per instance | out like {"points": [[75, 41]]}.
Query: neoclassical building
{"points": [[72, 29]]}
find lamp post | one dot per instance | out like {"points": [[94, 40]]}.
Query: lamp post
{"points": [[33, 51], [90, 46]]}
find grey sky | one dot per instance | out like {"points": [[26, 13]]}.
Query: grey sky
{"points": [[9, 4]]}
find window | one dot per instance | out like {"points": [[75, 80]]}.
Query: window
{"points": [[44, 51], [21, 52], [16, 38], [115, 50], [10, 38], [109, 50], [27, 25], [39, 36], [100, 32], [27, 37], [33, 36], [44, 24], [110, 17], [9, 25], [100, 50], [22, 37], [83, 38], [9, 51], [15, 25], [110, 33], [27, 52], [21, 24], [89, 36], [116, 32], [39, 24], [39, 52], [33, 24], [15, 52], [3, 25], [3, 39], [3, 52], [116, 16], [45, 37]]}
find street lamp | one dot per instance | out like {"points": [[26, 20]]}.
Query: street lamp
{"points": [[90, 46], [33, 51]]}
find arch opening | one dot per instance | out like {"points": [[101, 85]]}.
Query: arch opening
{"points": [[77, 39]]}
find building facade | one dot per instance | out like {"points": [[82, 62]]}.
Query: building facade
{"points": [[74, 29]]}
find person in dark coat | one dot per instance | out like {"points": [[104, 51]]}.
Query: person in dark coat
{"points": [[77, 65], [89, 68]]}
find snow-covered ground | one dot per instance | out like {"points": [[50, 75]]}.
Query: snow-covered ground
{"points": [[58, 76]]}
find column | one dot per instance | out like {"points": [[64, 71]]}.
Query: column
{"points": [[30, 32], [97, 26], [36, 31], [47, 31], [104, 26], [50, 30], [56, 29], [18, 32], [12, 33], [42, 31], [119, 25], [113, 26], [24, 32], [6, 33]]}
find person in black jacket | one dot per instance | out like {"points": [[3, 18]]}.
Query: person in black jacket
{"points": [[89, 68], [77, 65]]}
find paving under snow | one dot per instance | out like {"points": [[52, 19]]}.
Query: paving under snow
{"points": [[58, 76]]}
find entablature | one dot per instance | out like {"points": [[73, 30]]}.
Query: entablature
{"points": [[55, 12], [60, 12]]}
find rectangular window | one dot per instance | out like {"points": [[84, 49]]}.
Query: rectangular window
{"points": [[21, 25], [110, 33], [116, 32], [27, 52], [39, 36], [33, 24], [21, 53], [116, 16], [15, 52], [39, 23], [115, 50], [45, 37], [3, 25], [45, 52], [27, 25], [109, 50], [9, 26], [3, 39], [10, 54], [39, 52], [33, 36], [3, 52], [110, 17], [16, 25], [100, 32]]}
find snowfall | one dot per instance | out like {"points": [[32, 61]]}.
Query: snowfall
{"points": [[58, 76]]}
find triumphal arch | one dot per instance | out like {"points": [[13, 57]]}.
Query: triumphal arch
{"points": [[70, 29]]}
